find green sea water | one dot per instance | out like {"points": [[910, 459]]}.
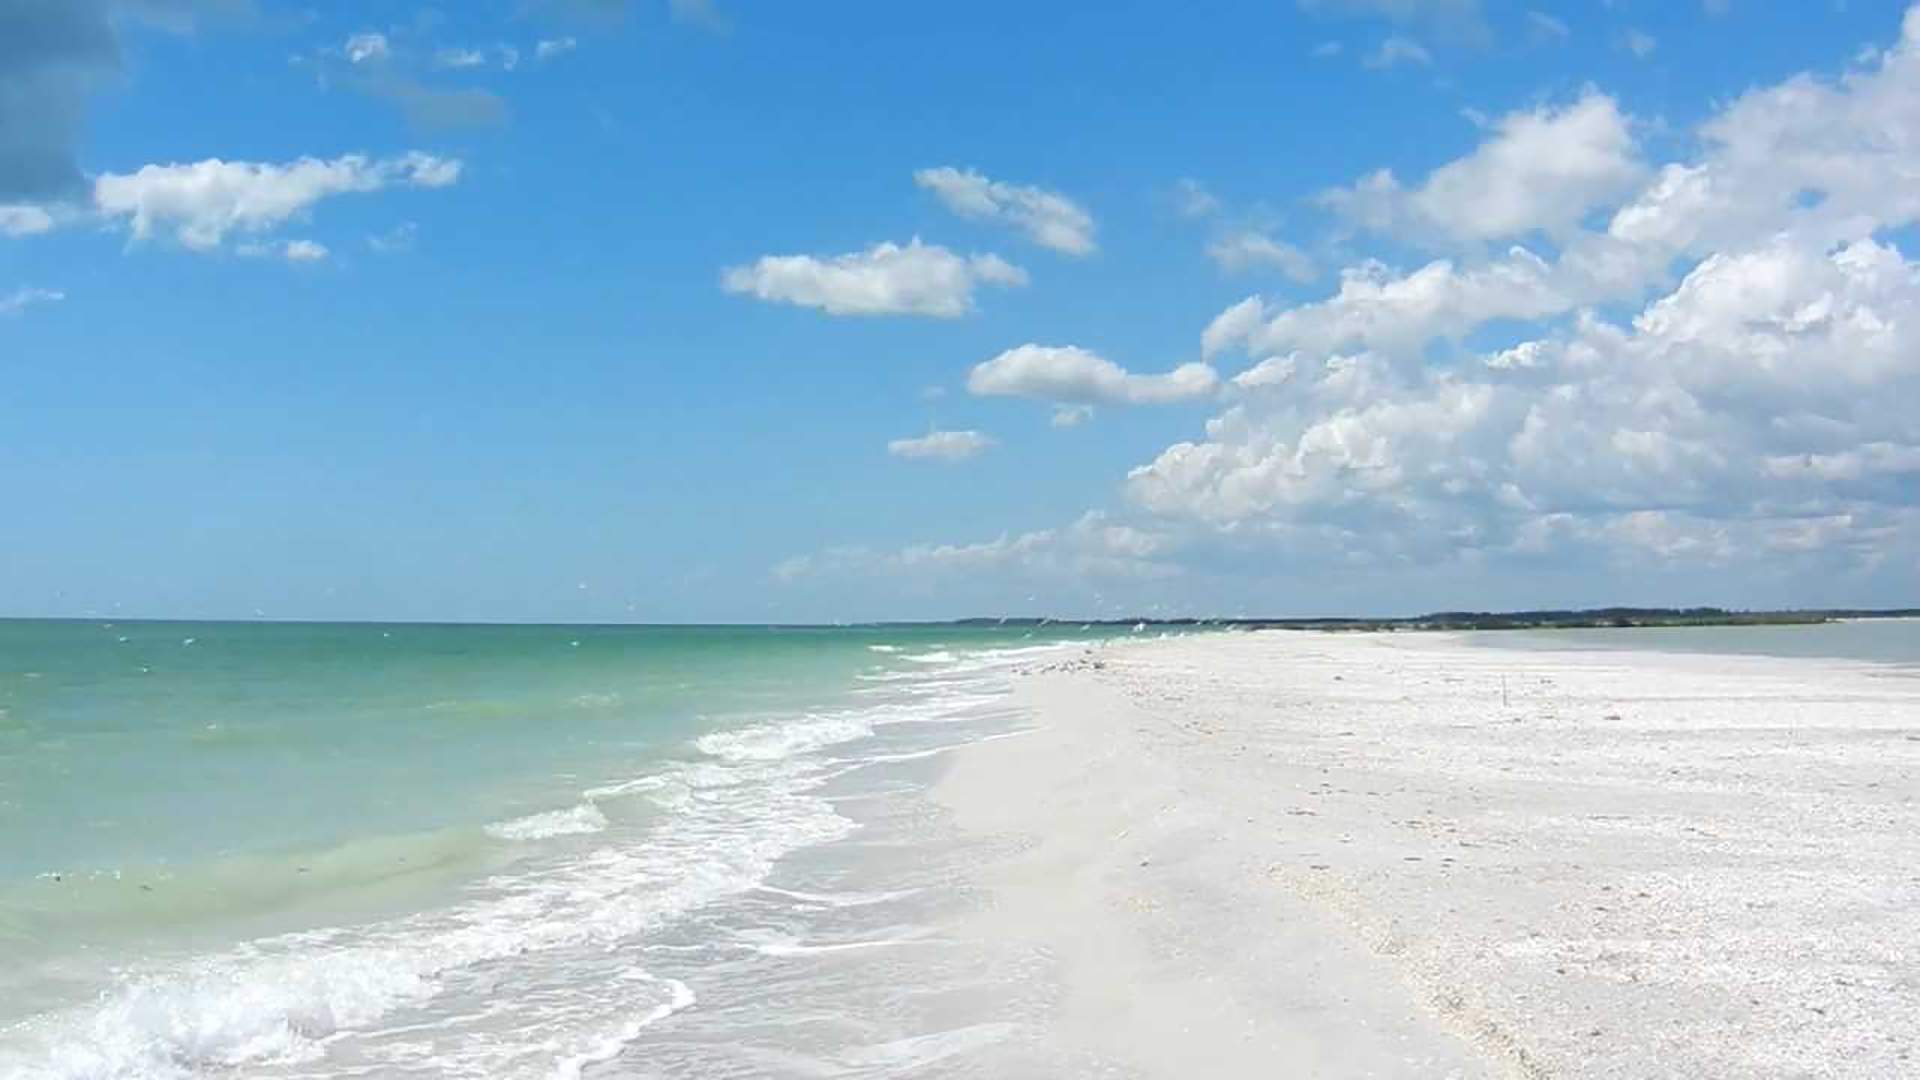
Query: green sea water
{"points": [[234, 844], [131, 746]]}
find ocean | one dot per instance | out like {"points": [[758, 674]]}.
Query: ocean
{"points": [[1886, 641], [327, 850]]}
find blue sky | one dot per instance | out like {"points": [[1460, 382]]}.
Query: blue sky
{"points": [[730, 311]]}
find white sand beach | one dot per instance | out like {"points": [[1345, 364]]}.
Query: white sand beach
{"points": [[1298, 854]]}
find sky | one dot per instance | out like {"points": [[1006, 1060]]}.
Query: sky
{"points": [[671, 310]]}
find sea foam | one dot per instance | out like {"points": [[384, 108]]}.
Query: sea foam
{"points": [[573, 821], [281, 1001]]}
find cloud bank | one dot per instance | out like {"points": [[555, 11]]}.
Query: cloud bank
{"points": [[1759, 405], [1606, 366]]}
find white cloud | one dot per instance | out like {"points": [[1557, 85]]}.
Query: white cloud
{"points": [[1759, 407], [1541, 170], [1066, 416], [295, 251], [885, 279], [305, 251], [1048, 218], [1327, 49], [1861, 462], [941, 445], [24, 220], [424, 170], [1768, 387], [202, 202], [554, 47], [21, 299], [1075, 376], [1233, 326], [367, 48], [1701, 375], [1640, 43], [1394, 51], [1271, 372], [1092, 547], [1250, 249], [1397, 314]]}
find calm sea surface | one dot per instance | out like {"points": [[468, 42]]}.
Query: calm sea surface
{"points": [[1892, 641]]}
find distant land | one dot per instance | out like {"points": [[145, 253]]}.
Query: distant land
{"points": [[1584, 618], [1502, 620]]}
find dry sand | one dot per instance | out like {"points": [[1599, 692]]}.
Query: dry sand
{"points": [[1292, 855]]}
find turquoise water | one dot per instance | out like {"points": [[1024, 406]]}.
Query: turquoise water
{"points": [[243, 845], [158, 743], [1889, 641]]}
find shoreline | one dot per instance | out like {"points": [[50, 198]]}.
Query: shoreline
{"points": [[1342, 855]]}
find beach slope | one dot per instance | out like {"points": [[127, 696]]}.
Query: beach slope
{"points": [[1302, 854]]}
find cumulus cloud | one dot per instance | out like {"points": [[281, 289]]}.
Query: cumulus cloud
{"points": [[1400, 314], [1669, 367], [21, 299], [1542, 170], [1757, 406], [1075, 376], [941, 445], [1048, 218], [885, 279], [201, 203]]}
